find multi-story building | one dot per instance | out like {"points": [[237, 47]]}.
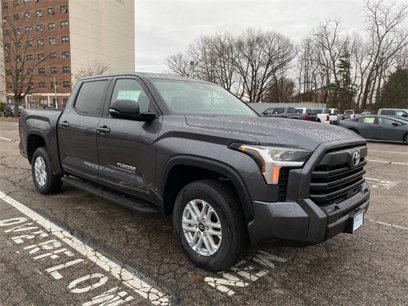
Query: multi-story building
{"points": [[47, 42]]}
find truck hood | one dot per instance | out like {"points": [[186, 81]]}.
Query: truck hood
{"points": [[274, 130]]}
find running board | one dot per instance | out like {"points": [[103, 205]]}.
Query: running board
{"points": [[109, 195]]}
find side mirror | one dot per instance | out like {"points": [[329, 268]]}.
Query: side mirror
{"points": [[395, 124], [129, 109]]}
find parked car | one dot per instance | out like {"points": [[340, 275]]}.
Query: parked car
{"points": [[307, 113], [384, 128], [322, 115], [283, 112], [158, 143], [9, 110], [393, 112], [349, 113]]}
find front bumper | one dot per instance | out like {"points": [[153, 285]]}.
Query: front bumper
{"points": [[304, 221]]}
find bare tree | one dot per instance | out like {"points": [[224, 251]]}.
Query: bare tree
{"points": [[261, 57], [23, 45], [179, 64], [388, 36], [94, 68]]}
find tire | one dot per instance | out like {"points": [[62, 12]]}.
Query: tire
{"points": [[406, 139], [231, 244], [45, 182]]}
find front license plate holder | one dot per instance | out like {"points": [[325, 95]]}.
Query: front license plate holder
{"points": [[356, 221]]}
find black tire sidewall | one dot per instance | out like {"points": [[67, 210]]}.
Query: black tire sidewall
{"points": [[41, 152], [229, 223]]}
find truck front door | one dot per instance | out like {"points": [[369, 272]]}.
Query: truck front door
{"points": [[127, 148], [77, 130]]}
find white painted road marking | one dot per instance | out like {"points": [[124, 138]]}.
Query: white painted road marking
{"points": [[128, 278], [6, 139], [385, 184], [388, 224], [393, 152], [387, 162]]}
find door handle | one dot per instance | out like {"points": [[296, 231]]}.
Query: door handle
{"points": [[103, 129], [64, 124]]}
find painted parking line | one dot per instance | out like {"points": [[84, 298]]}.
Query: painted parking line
{"points": [[6, 139], [388, 224], [381, 184], [387, 162], [392, 152], [128, 278]]}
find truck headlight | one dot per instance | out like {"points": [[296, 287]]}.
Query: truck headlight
{"points": [[271, 159]]}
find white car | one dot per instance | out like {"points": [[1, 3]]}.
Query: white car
{"points": [[322, 115]]}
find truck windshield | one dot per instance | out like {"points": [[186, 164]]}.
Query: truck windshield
{"points": [[194, 98]]}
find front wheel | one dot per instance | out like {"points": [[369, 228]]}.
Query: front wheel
{"points": [[209, 225], [45, 182]]}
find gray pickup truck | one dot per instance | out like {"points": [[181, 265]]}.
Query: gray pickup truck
{"points": [[158, 143]]}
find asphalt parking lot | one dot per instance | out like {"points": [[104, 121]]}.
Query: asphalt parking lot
{"points": [[74, 248]]}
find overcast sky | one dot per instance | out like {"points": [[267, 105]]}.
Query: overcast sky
{"points": [[164, 27]]}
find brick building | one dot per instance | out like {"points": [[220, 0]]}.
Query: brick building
{"points": [[46, 41]]}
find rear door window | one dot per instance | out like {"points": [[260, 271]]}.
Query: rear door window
{"points": [[369, 120], [90, 98]]}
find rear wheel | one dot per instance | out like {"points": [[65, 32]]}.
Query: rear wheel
{"points": [[45, 182], [209, 225]]}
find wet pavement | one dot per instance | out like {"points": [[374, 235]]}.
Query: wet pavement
{"points": [[75, 248]]}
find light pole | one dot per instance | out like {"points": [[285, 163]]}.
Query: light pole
{"points": [[55, 93]]}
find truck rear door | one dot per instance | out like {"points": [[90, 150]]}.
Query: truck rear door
{"points": [[77, 130]]}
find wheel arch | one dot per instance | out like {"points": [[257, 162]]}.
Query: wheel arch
{"points": [[196, 168]]}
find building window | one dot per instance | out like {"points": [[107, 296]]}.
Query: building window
{"points": [[18, 44], [26, 2], [50, 11], [51, 26], [39, 27], [40, 56], [52, 41], [29, 57], [64, 9], [15, 2], [41, 85], [66, 69], [38, 13], [52, 84], [10, 85], [5, 5], [5, 19], [28, 29], [6, 32], [31, 85], [18, 31], [41, 70], [65, 54], [7, 46], [27, 15], [53, 69], [53, 55], [40, 42], [64, 24], [64, 39], [8, 72], [16, 17], [66, 84], [29, 43]]}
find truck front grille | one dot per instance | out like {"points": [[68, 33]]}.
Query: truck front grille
{"points": [[335, 180]]}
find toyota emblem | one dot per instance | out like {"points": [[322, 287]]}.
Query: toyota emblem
{"points": [[355, 160]]}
